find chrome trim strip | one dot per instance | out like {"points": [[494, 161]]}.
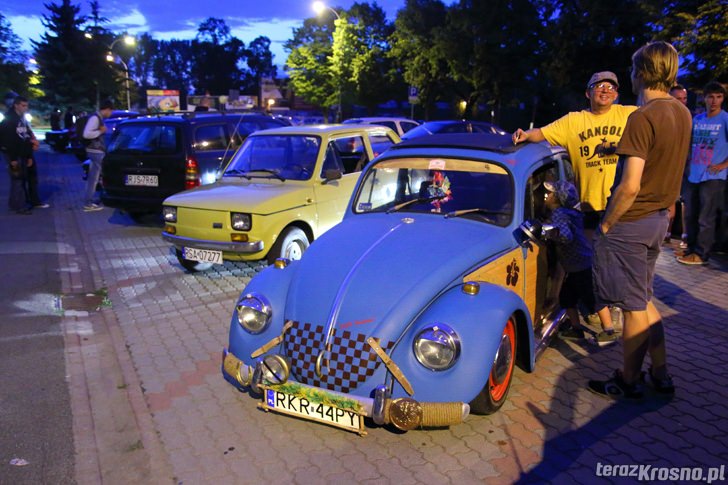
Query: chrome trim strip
{"points": [[230, 247], [548, 330]]}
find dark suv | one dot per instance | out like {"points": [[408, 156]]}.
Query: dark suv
{"points": [[153, 157]]}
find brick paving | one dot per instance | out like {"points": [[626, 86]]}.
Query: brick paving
{"points": [[168, 328]]}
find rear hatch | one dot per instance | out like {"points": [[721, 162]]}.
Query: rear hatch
{"points": [[145, 161]]}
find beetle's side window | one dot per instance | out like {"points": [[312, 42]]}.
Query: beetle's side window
{"points": [[534, 207]]}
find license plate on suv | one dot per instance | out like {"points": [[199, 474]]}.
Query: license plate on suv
{"points": [[142, 180], [202, 255]]}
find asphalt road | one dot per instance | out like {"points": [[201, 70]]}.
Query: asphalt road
{"points": [[35, 411]]}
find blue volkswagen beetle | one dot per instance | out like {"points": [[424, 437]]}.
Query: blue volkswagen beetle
{"points": [[414, 310]]}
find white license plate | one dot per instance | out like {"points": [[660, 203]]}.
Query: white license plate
{"points": [[143, 180], [303, 408], [202, 255]]}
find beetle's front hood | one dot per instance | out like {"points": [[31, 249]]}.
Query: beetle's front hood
{"points": [[372, 274], [253, 197]]}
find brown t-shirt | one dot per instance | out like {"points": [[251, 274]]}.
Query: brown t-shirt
{"points": [[659, 133]]}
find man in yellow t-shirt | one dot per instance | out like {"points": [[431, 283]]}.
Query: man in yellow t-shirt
{"points": [[591, 138]]}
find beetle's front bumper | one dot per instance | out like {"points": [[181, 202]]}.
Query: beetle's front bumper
{"points": [[404, 413], [226, 247]]}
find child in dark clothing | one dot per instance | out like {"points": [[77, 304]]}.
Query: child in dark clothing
{"points": [[575, 255]]}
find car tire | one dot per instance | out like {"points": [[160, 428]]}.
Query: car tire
{"points": [[291, 244], [191, 266], [494, 393]]}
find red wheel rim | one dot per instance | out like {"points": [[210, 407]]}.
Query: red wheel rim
{"points": [[502, 368]]}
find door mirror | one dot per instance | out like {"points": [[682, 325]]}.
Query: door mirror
{"points": [[331, 174]]}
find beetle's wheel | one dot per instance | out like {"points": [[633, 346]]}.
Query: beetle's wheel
{"points": [[494, 393]]}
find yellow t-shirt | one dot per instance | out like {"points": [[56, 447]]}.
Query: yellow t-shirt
{"points": [[591, 141]]}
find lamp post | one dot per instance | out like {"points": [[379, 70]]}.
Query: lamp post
{"points": [[319, 8], [130, 41]]}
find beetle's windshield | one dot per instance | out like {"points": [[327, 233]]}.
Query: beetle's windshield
{"points": [[466, 188], [284, 157]]}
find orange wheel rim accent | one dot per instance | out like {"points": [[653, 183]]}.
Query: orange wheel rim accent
{"points": [[497, 391]]}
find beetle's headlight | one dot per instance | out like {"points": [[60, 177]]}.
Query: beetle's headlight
{"points": [[169, 213], [437, 347], [254, 312], [240, 221]]}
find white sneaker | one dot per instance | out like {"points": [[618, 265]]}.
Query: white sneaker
{"points": [[92, 207]]}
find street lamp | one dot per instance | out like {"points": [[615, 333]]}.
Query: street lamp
{"points": [[319, 8], [130, 41]]}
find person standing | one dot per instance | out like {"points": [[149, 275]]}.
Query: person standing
{"points": [[652, 154], [679, 92], [708, 167], [19, 143], [96, 150], [591, 137]]}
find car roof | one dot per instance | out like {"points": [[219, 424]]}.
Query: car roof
{"points": [[323, 129], [486, 146], [195, 117], [370, 119]]}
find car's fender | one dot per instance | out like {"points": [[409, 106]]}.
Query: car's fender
{"points": [[479, 321], [273, 284]]}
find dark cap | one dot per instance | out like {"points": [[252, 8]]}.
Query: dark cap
{"points": [[603, 76]]}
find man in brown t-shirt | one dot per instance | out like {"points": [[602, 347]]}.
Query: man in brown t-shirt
{"points": [[652, 153]]}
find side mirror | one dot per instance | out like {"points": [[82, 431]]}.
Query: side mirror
{"points": [[528, 232], [331, 174]]}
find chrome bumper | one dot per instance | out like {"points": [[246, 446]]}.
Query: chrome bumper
{"points": [[228, 247]]}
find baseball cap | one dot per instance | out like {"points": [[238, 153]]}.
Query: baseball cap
{"points": [[603, 76], [565, 192]]}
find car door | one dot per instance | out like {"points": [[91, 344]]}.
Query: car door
{"points": [[543, 274], [342, 153]]}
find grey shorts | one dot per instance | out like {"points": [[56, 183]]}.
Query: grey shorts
{"points": [[624, 261]]}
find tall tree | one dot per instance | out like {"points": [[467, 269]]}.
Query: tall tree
{"points": [[13, 75], [172, 64], [415, 51], [217, 55], [308, 63], [260, 64], [72, 65]]}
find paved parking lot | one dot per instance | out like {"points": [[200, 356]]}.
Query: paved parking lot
{"points": [[150, 404]]}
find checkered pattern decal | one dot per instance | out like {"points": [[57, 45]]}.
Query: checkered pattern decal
{"points": [[351, 360]]}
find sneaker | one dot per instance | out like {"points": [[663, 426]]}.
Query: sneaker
{"points": [[42, 205], [605, 338], [661, 386], [92, 207], [25, 211], [691, 259], [572, 333], [683, 244], [616, 388]]}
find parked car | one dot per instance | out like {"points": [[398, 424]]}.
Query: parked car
{"points": [[398, 125], [283, 189], [150, 158], [452, 126], [416, 307]]}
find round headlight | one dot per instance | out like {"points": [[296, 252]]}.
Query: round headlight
{"points": [[437, 347], [169, 213], [254, 312]]}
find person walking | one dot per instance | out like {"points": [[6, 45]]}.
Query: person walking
{"points": [[652, 154], [96, 150], [708, 167], [19, 143], [591, 137]]}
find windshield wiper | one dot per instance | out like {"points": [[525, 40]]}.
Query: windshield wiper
{"points": [[485, 212], [236, 173], [266, 170], [420, 200]]}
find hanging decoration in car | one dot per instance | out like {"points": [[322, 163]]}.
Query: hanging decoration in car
{"points": [[440, 190]]}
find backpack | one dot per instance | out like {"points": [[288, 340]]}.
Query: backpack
{"points": [[80, 125]]}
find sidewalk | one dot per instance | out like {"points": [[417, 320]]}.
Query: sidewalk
{"points": [[158, 410]]}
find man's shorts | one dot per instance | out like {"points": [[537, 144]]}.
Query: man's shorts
{"points": [[624, 261], [592, 219], [577, 288]]}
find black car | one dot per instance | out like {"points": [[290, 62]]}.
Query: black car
{"points": [[150, 158], [453, 126]]}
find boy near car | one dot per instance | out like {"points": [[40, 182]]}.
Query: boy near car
{"points": [[575, 255], [96, 150], [652, 154]]}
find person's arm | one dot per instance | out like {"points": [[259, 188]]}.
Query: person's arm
{"points": [[625, 193], [533, 135], [94, 128]]}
